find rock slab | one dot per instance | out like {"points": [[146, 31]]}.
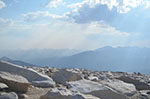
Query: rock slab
{"points": [[95, 89], [121, 87], [2, 86], [62, 93], [139, 85], [14, 82], [63, 75], [31, 75]]}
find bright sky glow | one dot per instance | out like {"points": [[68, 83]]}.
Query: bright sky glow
{"points": [[74, 24]]}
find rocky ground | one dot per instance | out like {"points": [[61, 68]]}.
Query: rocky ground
{"points": [[20, 82]]}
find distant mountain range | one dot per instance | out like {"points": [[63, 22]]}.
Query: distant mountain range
{"points": [[131, 59], [108, 58], [37, 55], [17, 62]]}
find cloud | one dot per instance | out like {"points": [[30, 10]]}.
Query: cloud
{"points": [[2, 4], [87, 14], [124, 15], [5, 22], [101, 28], [122, 6], [40, 15], [63, 35], [88, 24], [60, 35], [91, 3], [55, 3]]}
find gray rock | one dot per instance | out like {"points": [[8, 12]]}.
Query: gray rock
{"points": [[62, 93], [93, 78], [31, 75], [139, 85], [14, 82], [11, 95], [121, 87], [95, 89], [2, 86], [144, 94], [43, 84], [63, 75]]}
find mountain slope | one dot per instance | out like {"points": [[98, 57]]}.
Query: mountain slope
{"points": [[32, 55], [17, 62], [108, 58]]}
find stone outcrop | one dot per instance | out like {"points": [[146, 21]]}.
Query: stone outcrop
{"points": [[62, 93], [145, 94], [63, 75], [3, 86], [54, 83], [121, 87], [139, 85], [95, 89], [31, 75], [14, 82]]}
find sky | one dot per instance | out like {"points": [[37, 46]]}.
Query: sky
{"points": [[74, 24]]}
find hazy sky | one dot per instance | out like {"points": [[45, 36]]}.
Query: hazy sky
{"points": [[74, 24]]}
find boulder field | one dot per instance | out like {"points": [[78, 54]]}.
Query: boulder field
{"points": [[20, 82]]}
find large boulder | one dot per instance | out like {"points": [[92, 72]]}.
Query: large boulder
{"points": [[95, 89], [14, 82], [145, 94], [31, 75], [139, 85], [3, 86], [121, 87], [11, 95], [62, 93], [64, 75]]}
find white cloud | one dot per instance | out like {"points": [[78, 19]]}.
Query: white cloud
{"points": [[2, 4], [78, 5], [55, 3], [124, 15], [63, 35], [103, 29], [110, 3], [41, 15], [5, 22], [126, 5], [147, 4], [58, 35], [123, 6], [52, 31]]}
